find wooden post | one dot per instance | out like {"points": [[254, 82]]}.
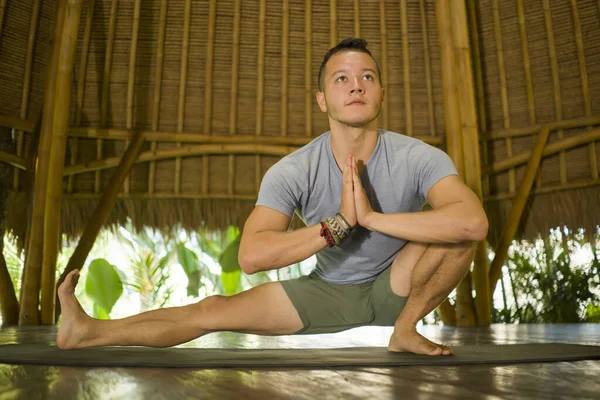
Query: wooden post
{"points": [[185, 49], [514, 217], [427, 59], [30, 292], [235, 67], [451, 119], [260, 97], [468, 112], [60, 125], [2, 10], [285, 40], [98, 218], [357, 18], [332, 23]]}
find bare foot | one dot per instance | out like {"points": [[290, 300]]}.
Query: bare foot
{"points": [[407, 339], [75, 322]]}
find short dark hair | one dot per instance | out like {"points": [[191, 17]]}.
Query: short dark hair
{"points": [[348, 44]]}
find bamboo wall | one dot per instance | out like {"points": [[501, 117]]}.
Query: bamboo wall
{"points": [[224, 88]]}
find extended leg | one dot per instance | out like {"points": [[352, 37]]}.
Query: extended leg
{"points": [[433, 272], [265, 309]]}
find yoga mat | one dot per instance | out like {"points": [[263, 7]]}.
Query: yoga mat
{"points": [[314, 358]]}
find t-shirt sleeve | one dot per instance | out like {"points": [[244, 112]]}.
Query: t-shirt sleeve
{"points": [[281, 187], [430, 165]]}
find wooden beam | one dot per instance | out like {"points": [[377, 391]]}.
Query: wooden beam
{"points": [[184, 151], [17, 123], [98, 218], [578, 184], [32, 273], [332, 23], [159, 195], [60, 125], [188, 137], [552, 148], [185, 49], [15, 161], [356, 18], [534, 129], [468, 114], [516, 211]]}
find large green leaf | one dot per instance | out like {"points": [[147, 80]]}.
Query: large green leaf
{"points": [[192, 268], [103, 284], [229, 258], [232, 282]]}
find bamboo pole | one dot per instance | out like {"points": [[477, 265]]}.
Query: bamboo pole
{"points": [[584, 83], [285, 40], [112, 25], [189, 137], [332, 23], [517, 208], [357, 18], [158, 195], [555, 83], [32, 273], [385, 114], [185, 48], [60, 125], [308, 67], [212, 15], [27, 83], [578, 184], [451, 119], [131, 76], [468, 112], [15, 161], [184, 151], [406, 69], [85, 49], [503, 88], [235, 66], [533, 130], [17, 123], [2, 11], [160, 51], [260, 98], [551, 148], [98, 218], [9, 305], [528, 80], [479, 87], [427, 59]]}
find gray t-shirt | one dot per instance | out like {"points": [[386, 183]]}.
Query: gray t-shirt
{"points": [[397, 178]]}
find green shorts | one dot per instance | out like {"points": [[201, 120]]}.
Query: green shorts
{"points": [[327, 307]]}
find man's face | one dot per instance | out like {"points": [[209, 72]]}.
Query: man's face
{"points": [[352, 94]]}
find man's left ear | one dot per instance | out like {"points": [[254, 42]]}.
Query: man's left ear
{"points": [[321, 101]]}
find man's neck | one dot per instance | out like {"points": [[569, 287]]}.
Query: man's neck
{"points": [[347, 140]]}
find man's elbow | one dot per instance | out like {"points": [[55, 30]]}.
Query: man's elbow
{"points": [[246, 262], [477, 228]]}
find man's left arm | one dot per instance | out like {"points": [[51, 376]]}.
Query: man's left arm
{"points": [[457, 215]]}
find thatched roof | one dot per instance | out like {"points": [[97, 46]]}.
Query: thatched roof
{"points": [[255, 80]]}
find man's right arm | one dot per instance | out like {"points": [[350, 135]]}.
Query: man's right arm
{"points": [[266, 244]]}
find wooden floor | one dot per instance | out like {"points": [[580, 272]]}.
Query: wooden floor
{"points": [[562, 380]]}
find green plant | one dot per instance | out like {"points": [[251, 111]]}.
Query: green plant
{"points": [[103, 286]]}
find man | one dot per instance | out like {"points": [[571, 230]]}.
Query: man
{"points": [[380, 259]]}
